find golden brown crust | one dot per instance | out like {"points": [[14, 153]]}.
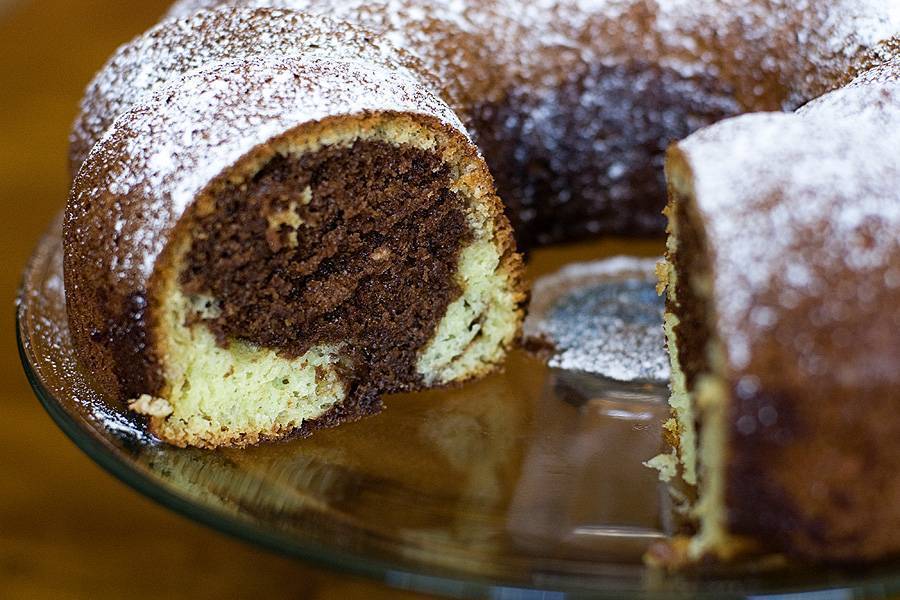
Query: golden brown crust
{"points": [[352, 409]]}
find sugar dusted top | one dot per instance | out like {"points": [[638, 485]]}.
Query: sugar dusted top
{"points": [[571, 101], [162, 152], [802, 213], [175, 48]]}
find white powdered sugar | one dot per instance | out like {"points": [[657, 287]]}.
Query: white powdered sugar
{"points": [[601, 317], [144, 173], [174, 48], [573, 102], [802, 213]]}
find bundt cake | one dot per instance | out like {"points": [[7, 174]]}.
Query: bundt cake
{"points": [[285, 208], [266, 244], [783, 324]]}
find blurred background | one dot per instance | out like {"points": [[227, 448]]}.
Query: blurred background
{"points": [[67, 528]]}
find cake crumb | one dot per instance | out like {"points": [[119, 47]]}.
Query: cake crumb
{"points": [[381, 254], [666, 464], [601, 317], [662, 276], [672, 433], [152, 407], [287, 217]]}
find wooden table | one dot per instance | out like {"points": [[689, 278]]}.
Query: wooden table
{"points": [[67, 528]]}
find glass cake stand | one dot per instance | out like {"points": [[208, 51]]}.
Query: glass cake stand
{"points": [[527, 484]]}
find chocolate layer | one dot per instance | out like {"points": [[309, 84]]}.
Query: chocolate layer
{"points": [[692, 309], [347, 245]]}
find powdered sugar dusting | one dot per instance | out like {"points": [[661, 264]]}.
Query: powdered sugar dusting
{"points": [[691, 36], [174, 48], [803, 216], [601, 317], [143, 172], [573, 102]]}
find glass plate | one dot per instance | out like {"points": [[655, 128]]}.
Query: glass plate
{"points": [[527, 484]]}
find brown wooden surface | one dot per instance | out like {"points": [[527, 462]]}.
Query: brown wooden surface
{"points": [[67, 528]]}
